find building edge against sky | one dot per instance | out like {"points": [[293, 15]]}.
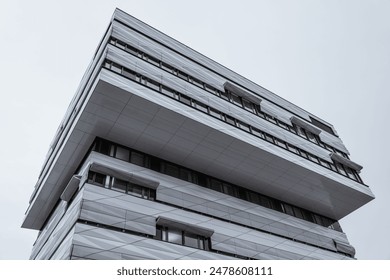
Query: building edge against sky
{"points": [[165, 154]]}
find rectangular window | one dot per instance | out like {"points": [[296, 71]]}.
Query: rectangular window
{"points": [[248, 105], [340, 168], [116, 68], [197, 82], [271, 119], [258, 133], [313, 158], [137, 158], [184, 99], [224, 95], [350, 173], [175, 236], [171, 170], [135, 189], [235, 99], [288, 209], [200, 106], [153, 85], [209, 88], [281, 143], [215, 185], [301, 132], [243, 126], [96, 178], [119, 185], [269, 138], [312, 137], [168, 92], [128, 74], [230, 120], [122, 153], [293, 149], [215, 113], [324, 163]]}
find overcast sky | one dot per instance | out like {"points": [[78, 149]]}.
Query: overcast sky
{"points": [[331, 58]]}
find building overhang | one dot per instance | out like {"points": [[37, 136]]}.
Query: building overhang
{"points": [[129, 114]]}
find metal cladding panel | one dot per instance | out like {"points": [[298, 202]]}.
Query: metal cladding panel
{"points": [[180, 49]]}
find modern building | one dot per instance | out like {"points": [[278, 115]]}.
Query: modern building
{"points": [[166, 154]]}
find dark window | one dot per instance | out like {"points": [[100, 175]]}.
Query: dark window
{"points": [[178, 236], [119, 185], [96, 178], [230, 120], [321, 125], [200, 106], [184, 99], [122, 153], [243, 126], [248, 105], [235, 99], [340, 168]]}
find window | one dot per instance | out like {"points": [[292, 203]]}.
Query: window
{"points": [[137, 158], [96, 178], [293, 149], [281, 143], [184, 99], [181, 237], [248, 105], [243, 126], [340, 168], [224, 95], [119, 185], [200, 106], [122, 153], [311, 137], [216, 113], [257, 132], [235, 99], [324, 163], [230, 120], [301, 132], [269, 138]]}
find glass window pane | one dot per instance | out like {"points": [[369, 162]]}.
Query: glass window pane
{"points": [[170, 169], [243, 126], [224, 95], [248, 105], [230, 120], [184, 99], [175, 236], [288, 209], [312, 137], [257, 132], [215, 185], [119, 185], [235, 99], [128, 74], [269, 138], [100, 178], [215, 113], [122, 153], [200, 106], [137, 158], [191, 240], [340, 168], [135, 189]]}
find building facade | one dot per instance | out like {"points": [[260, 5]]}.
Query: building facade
{"points": [[166, 154]]}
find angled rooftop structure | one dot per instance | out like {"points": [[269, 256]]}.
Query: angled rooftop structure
{"points": [[166, 154]]}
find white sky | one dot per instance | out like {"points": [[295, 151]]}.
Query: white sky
{"points": [[330, 57]]}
